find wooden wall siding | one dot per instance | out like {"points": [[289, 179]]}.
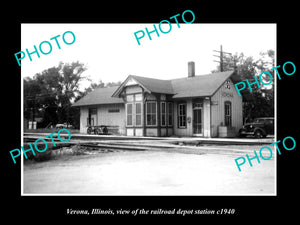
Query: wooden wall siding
{"points": [[151, 132], [104, 117], [150, 97], [206, 118], [139, 132], [170, 131], [129, 131], [84, 113], [163, 132], [133, 89], [113, 119], [218, 108]]}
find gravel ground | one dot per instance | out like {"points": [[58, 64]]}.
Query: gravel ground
{"points": [[203, 171]]}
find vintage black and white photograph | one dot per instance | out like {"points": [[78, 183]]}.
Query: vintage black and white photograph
{"points": [[141, 109]]}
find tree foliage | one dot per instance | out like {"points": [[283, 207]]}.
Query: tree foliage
{"points": [[49, 94], [260, 102]]}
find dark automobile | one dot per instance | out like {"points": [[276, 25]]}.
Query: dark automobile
{"points": [[259, 127]]}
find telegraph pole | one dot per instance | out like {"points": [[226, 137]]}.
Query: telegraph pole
{"points": [[221, 57]]}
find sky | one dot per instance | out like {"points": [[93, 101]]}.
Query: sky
{"points": [[111, 52]]}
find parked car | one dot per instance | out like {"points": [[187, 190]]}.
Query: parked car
{"points": [[63, 125], [259, 127]]}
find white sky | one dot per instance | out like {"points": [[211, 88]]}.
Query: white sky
{"points": [[111, 52]]}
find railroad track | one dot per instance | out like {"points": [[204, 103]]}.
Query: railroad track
{"points": [[144, 145]]}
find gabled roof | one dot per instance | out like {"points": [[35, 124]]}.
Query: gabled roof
{"points": [[197, 86], [99, 96], [155, 85]]}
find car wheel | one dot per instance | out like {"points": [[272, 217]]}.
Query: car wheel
{"points": [[258, 134], [89, 130]]}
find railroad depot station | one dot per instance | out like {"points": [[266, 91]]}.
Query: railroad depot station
{"points": [[204, 105]]}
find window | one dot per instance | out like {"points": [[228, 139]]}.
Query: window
{"points": [[134, 98], [182, 115], [163, 114], [151, 113], [129, 98], [129, 114], [170, 114], [134, 108], [227, 113], [138, 97], [92, 111], [138, 114]]}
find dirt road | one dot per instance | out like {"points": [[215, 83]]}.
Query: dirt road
{"points": [[149, 173]]}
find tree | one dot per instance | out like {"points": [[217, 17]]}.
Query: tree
{"points": [[31, 91], [261, 101], [53, 91], [50, 94]]}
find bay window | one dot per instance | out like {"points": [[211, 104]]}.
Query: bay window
{"points": [[151, 114]]}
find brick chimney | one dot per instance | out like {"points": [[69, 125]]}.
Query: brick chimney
{"points": [[191, 69]]}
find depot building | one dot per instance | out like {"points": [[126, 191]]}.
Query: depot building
{"points": [[202, 105]]}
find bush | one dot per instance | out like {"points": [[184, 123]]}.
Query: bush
{"points": [[42, 156]]}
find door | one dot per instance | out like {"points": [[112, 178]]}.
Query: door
{"points": [[197, 119]]}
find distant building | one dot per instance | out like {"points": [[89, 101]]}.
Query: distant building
{"points": [[206, 105]]}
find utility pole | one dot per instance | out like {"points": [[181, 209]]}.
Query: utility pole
{"points": [[221, 57]]}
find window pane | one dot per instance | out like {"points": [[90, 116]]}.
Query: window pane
{"points": [[153, 107], [182, 115], [138, 120], [129, 120], [170, 121], [163, 114], [170, 113], [153, 120], [92, 111], [163, 107], [148, 119], [129, 108], [170, 107], [227, 113], [148, 107], [129, 98], [138, 108], [138, 97], [163, 120], [151, 113], [129, 114]]}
